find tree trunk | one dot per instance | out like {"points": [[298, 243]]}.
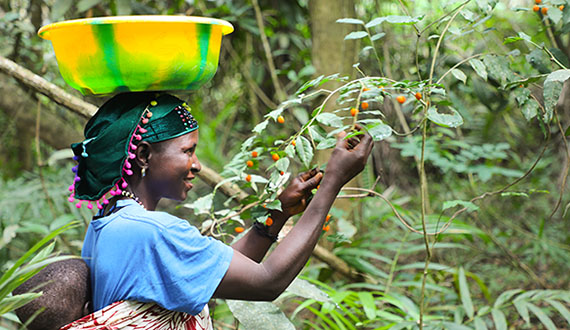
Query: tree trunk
{"points": [[332, 54]]}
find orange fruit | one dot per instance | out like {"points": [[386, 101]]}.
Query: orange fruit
{"points": [[327, 228], [561, 7], [269, 221], [281, 172], [275, 157], [365, 89], [401, 99], [248, 178], [249, 163], [544, 10], [537, 1], [254, 154], [418, 96], [280, 119], [353, 111], [239, 229], [364, 105], [535, 8], [294, 143], [328, 218]]}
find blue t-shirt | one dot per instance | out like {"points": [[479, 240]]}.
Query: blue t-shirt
{"points": [[148, 256]]}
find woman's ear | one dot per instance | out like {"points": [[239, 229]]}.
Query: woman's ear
{"points": [[143, 154]]}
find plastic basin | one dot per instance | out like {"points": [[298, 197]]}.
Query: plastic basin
{"points": [[137, 53]]}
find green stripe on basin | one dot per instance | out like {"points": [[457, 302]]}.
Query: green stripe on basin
{"points": [[105, 36], [203, 32]]}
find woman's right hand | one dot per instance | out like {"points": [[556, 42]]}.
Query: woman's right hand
{"points": [[349, 156]]}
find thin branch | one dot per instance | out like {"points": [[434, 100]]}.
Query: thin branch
{"points": [[457, 65], [252, 84], [30, 79], [259, 18], [566, 170]]}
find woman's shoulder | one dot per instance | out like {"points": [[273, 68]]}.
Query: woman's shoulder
{"points": [[158, 219], [133, 217]]}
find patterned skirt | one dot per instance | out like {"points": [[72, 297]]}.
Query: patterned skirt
{"points": [[134, 315]]}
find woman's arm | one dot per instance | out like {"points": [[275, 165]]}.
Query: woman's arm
{"points": [[249, 280], [293, 201]]}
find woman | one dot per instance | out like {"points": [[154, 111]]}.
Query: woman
{"points": [[140, 148]]}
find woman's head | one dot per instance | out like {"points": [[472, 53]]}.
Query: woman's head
{"points": [[108, 158], [169, 167]]}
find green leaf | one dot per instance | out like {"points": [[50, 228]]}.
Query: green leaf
{"points": [[379, 131], [509, 40], [560, 308], [309, 84], [201, 205], [327, 143], [394, 19], [464, 292], [282, 164], [356, 35], [504, 297], [59, 8], [377, 36], [290, 151], [459, 75], [329, 119], [530, 109], [274, 205], [479, 68], [83, 5], [499, 319], [247, 143], [522, 309], [275, 113], [367, 301], [555, 14], [258, 179], [559, 75], [259, 315], [304, 150], [551, 94], [317, 133], [567, 131], [375, 21], [479, 324], [260, 127], [454, 326], [349, 21], [469, 205], [445, 120], [524, 36], [544, 319], [307, 290], [8, 234], [498, 68]]}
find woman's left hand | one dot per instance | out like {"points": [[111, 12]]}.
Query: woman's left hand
{"points": [[294, 197]]}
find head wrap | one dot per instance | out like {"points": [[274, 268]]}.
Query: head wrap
{"points": [[112, 135]]}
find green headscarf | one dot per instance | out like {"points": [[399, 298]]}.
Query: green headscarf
{"points": [[114, 131]]}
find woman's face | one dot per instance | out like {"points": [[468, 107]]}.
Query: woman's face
{"points": [[172, 165]]}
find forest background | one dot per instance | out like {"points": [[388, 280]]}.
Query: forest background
{"points": [[461, 219]]}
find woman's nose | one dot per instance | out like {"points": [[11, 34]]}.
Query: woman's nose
{"points": [[196, 166]]}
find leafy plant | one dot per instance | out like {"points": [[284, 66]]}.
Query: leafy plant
{"points": [[30, 263]]}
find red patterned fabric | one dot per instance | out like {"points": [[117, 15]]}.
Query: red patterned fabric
{"points": [[134, 315]]}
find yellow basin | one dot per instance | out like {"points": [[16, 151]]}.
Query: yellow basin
{"points": [[137, 53]]}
